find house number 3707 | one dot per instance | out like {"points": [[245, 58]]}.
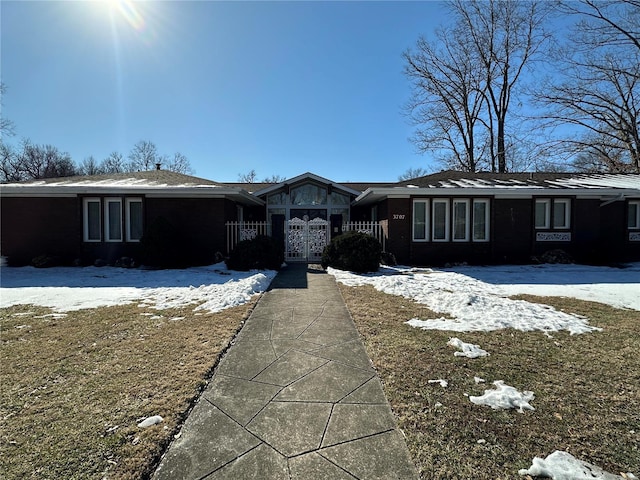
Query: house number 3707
{"points": [[398, 216]]}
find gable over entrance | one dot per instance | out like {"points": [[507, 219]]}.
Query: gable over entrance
{"points": [[307, 197]]}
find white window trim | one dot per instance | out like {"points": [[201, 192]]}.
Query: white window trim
{"points": [[466, 220], [447, 222], [637, 219], [107, 202], [85, 219], [567, 213], [127, 215], [547, 213], [426, 221], [486, 219]]}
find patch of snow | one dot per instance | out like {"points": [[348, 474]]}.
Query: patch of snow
{"points": [[477, 298], [468, 349], [563, 466], [150, 421], [504, 397], [478, 380], [212, 288], [443, 383]]}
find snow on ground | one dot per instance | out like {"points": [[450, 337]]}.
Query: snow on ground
{"points": [[467, 349], [211, 288], [564, 466], [477, 297], [504, 397]]}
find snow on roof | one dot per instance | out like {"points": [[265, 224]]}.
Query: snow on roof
{"points": [[532, 180], [145, 179]]}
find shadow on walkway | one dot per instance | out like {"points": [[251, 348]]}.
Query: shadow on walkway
{"points": [[294, 275]]}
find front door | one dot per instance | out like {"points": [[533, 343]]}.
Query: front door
{"points": [[306, 238]]}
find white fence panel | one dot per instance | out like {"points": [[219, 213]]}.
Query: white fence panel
{"points": [[239, 231], [375, 229]]}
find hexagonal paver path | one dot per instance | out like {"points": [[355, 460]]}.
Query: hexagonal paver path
{"points": [[295, 397]]}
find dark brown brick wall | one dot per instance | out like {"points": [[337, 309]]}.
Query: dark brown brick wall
{"points": [[35, 226]]}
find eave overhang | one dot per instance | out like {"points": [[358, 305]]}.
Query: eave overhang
{"points": [[150, 191], [374, 195]]}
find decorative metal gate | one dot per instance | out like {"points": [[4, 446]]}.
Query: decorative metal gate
{"points": [[306, 239]]}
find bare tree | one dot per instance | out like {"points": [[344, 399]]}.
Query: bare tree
{"points": [[274, 179], [506, 36], [178, 163], [447, 98], [143, 156], [598, 93], [412, 173], [114, 163], [32, 162], [10, 170], [90, 166], [250, 177], [464, 81]]}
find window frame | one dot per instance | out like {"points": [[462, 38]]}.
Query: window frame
{"points": [[547, 213], [127, 219], [426, 223], [487, 217], [107, 219], [567, 213], [636, 204], [85, 219], [447, 219], [467, 219]]}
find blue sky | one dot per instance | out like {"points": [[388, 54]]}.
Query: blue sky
{"points": [[279, 87]]}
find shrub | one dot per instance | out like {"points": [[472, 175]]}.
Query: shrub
{"points": [[46, 261], [353, 251], [260, 253]]}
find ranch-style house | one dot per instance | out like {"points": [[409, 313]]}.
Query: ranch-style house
{"points": [[447, 217]]}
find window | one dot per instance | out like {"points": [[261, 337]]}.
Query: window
{"points": [[308, 195], [113, 219], [633, 219], [277, 199], [420, 220], [91, 220], [339, 199], [440, 227], [553, 213], [543, 212], [460, 220], [561, 213], [481, 220], [467, 221], [134, 219]]}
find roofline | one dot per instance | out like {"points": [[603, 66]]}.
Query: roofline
{"points": [[375, 194], [200, 191], [307, 175]]}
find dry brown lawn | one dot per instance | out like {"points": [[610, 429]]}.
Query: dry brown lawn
{"points": [[75, 387], [587, 389]]}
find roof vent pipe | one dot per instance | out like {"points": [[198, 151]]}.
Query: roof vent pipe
{"points": [[158, 166]]}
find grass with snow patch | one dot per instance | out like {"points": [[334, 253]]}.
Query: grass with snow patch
{"points": [[587, 388], [75, 386]]}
